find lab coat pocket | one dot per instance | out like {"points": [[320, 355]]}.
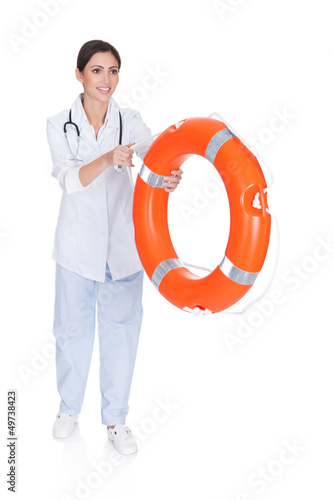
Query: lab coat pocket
{"points": [[124, 248], [65, 243], [131, 231], [131, 248]]}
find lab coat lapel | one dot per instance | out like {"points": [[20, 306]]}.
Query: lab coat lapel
{"points": [[87, 132], [79, 117], [88, 136]]}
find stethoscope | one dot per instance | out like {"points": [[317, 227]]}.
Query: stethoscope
{"points": [[118, 168]]}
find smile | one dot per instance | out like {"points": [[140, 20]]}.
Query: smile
{"points": [[104, 90]]}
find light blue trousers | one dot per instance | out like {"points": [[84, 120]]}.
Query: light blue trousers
{"points": [[119, 316]]}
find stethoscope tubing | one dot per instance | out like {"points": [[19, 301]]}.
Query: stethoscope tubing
{"points": [[118, 168]]}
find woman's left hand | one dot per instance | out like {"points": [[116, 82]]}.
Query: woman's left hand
{"points": [[170, 183]]}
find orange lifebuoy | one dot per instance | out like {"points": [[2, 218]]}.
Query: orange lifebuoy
{"points": [[250, 221]]}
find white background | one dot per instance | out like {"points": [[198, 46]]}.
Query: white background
{"points": [[240, 387]]}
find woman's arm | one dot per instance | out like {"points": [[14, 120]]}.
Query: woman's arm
{"points": [[71, 174], [121, 155]]}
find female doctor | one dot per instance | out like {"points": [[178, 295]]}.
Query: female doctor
{"points": [[97, 265]]}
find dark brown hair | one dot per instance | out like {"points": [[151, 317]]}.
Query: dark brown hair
{"points": [[90, 48]]}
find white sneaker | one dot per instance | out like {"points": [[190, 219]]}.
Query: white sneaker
{"points": [[64, 425], [122, 439]]}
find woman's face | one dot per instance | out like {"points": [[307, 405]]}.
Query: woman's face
{"points": [[100, 76]]}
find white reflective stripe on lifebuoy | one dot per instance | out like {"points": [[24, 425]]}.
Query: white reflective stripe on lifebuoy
{"points": [[163, 268], [216, 142], [235, 274], [150, 178]]}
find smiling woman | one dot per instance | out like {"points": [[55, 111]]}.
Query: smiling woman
{"points": [[99, 73], [97, 264]]}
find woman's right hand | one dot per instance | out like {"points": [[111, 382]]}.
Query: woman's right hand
{"points": [[121, 155]]}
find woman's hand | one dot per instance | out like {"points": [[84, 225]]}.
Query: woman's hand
{"points": [[170, 183], [121, 155]]}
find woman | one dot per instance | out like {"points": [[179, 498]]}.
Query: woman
{"points": [[94, 248]]}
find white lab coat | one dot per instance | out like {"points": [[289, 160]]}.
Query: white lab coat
{"points": [[95, 223]]}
